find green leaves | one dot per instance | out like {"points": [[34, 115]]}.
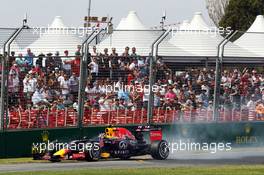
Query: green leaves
{"points": [[240, 14]]}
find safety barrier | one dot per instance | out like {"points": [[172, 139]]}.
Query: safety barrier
{"points": [[52, 118]]}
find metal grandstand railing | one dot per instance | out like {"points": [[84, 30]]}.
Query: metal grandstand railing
{"points": [[53, 118]]}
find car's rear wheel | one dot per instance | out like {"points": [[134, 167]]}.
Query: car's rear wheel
{"points": [[93, 154], [160, 150]]}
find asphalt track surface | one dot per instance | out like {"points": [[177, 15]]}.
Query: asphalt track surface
{"points": [[242, 156]]}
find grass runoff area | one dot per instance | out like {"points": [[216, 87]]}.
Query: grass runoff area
{"points": [[186, 170], [17, 161], [219, 170]]}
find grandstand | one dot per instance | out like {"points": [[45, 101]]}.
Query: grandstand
{"points": [[44, 76]]}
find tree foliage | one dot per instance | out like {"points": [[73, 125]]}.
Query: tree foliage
{"points": [[240, 14]]}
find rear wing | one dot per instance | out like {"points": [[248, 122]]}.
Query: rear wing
{"points": [[146, 128], [155, 133]]}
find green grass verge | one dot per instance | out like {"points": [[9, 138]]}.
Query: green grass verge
{"points": [[18, 160], [218, 170]]}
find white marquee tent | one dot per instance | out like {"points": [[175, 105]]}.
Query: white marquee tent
{"points": [[57, 37], [253, 39], [250, 44], [122, 24], [132, 33], [194, 41]]}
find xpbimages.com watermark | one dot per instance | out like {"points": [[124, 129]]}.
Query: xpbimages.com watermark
{"points": [[195, 146], [78, 31], [117, 87], [174, 147], [211, 31], [50, 146]]}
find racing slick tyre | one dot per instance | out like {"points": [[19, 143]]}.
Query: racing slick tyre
{"points": [[37, 156], [55, 159], [159, 150], [93, 154]]}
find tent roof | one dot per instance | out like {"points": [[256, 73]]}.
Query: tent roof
{"points": [[193, 39], [258, 25], [198, 22], [122, 24], [133, 22], [137, 36], [55, 38], [253, 39], [198, 40], [58, 23]]}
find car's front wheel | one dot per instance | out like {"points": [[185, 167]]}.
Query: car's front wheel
{"points": [[160, 150], [93, 154]]}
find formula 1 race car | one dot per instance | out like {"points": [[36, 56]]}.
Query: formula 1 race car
{"points": [[115, 142]]}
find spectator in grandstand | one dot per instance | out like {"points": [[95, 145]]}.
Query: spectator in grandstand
{"points": [[14, 69], [255, 78], [116, 105], [203, 99], [21, 62], [226, 80], [137, 99], [58, 60], [29, 86], [88, 105], [133, 65], [105, 102], [74, 86], [103, 63], [143, 66], [64, 85], [66, 66], [94, 69], [36, 70], [260, 110], [11, 59], [170, 94], [262, 94], [235, 95], [49, 63], [226, 98], [75, 64], [57, 72], [60, 104], [13, 88], [251, 105], [114, 65], [94, 53], [257, 94], [78, 51], [29, 58], [126, 56], [262, 80], [38, 98], [134, 55], [39, 61]]}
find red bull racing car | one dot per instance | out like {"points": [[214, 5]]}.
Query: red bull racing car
{"points": [[115, 142]]}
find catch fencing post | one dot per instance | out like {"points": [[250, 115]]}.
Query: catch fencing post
{"points": [[153, 59]]}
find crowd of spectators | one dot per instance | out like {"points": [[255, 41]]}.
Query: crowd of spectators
{"points": [[43, 80], [120, 81]]}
